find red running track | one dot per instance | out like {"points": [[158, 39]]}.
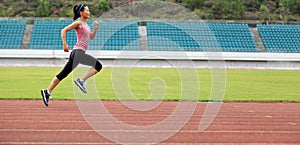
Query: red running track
{"points": [[30, 122]]}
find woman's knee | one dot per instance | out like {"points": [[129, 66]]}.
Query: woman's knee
{"points": [[61, 76], [98, 66]]}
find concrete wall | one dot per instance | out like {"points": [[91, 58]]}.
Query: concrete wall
{"points": [[161, 59]]}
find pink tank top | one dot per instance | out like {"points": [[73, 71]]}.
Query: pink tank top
{"points": [[83, 36]]}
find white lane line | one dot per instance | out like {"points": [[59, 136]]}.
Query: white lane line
{"points": [[153, 131], [59, 143], [152, 115], [108, 143], [152, 122]]}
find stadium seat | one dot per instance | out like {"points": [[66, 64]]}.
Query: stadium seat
{"points": [[46, 34], [119, 36], [110, 35], [11, 33], [280, 37], [196, 36]]}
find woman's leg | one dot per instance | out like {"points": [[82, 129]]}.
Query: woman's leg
{"points": [[53, 84], [90, 61], [86, 59], [70, 65], [92, 71]]}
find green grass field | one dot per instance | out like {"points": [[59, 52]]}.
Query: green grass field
{"points": [[145, 83]]}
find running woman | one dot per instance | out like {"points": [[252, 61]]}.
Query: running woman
{"points": [[78, 55]]}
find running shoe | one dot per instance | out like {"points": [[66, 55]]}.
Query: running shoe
{"points": [[80, 84], [46, 95]]}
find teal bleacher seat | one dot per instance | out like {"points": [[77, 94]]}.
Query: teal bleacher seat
{"points": [[280, 37], [11, 33], [46, 34], [196, 36], [118, 36], [110, 35]]}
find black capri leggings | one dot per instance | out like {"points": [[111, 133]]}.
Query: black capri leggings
{"points": [[78, 56]]}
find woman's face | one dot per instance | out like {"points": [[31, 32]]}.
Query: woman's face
{"points": [[85, 13]]}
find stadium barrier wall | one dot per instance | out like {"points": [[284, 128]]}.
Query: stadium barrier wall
{"points": [[157, 59]]}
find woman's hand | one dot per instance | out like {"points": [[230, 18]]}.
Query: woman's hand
{"points": [[66, 48], [92, 36], [96, 25]]}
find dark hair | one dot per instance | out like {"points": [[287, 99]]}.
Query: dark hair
{"points": [[77, 9]]}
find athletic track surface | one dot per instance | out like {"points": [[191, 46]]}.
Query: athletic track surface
{"points": [[30, 122]]}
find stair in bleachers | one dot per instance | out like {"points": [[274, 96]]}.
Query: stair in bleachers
{"points": [[27, 37], [143, 38], [257, 39]]}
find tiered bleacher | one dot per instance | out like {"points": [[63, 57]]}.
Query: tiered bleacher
{"points": [[234, 37], [110, 35], [11, 33], [46, 34], [280, 38], [117, 36], [161, 36], [196, 36]]}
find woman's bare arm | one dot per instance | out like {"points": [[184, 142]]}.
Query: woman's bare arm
{"points": [[64, 31]]}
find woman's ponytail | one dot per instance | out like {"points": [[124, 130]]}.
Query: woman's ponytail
{"points": [[76, 11]]}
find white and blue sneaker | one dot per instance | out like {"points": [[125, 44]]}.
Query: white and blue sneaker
{"points": [[46, 96], [80, 84]]}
